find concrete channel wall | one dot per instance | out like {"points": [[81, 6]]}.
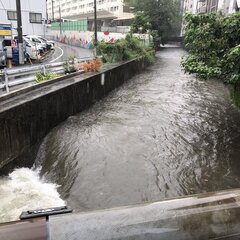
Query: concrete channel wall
{"points": [[202, 216], [235, 94], [27, 116]]}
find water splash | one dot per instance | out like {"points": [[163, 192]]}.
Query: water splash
{"points": [[24, 190]]}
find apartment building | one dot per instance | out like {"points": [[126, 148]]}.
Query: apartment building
{"points": [[190, 6], [229, 6], [33, 15], [107, 10], [204, 6]]}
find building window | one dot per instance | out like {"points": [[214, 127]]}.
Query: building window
{"points": [[213, 5], [35, 17], [12, 15], [113, 9]]}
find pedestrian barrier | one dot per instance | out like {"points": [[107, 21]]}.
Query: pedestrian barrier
{"points": [[18, 76]]}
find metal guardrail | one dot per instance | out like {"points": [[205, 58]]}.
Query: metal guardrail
{"points": [[18, 76]]}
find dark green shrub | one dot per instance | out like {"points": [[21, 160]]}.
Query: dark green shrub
{"points": [[124, 49], [213, 44]]}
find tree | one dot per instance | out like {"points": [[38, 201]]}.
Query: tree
{"points": [[164, 16], [213, 43], [141, 23]]}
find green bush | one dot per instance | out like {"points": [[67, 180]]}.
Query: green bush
{"points": [[41, 77], [231, 64], [213, 44], [141, 23], [124, 49]]}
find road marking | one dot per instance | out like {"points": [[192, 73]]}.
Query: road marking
{"points": [[58, 56]]}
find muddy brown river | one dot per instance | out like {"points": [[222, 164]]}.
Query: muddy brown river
{"points": [[163, 134]]}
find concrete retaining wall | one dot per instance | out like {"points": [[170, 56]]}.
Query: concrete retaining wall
{"points": [[235, 94], [27, 116]]}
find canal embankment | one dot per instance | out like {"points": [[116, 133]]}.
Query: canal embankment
{"points": [[164, 134], [235, 94], [28, 115]]}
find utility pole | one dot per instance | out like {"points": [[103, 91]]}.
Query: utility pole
{"points": [[60, 18], [95, 27], [19, 30], [52, 10]]}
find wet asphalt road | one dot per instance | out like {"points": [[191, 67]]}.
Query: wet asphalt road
{"points": [[63, 52]]}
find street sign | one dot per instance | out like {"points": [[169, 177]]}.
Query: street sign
{"points": [[5, 30]]}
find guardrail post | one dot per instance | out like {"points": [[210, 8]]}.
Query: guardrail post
{"points": [[44, 69], [6, 80], [14, 77], [68, 67]]}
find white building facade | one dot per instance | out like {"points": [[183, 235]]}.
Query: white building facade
{"points": [[190, 6], [84, 9], [33, 16], [204, 6], [229, 6]]}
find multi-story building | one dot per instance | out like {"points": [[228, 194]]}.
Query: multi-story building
{"points": [[204, 6], [229, 6], [33, 15], [107, 10], [190, 6]]}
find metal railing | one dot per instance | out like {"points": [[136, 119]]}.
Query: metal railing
{"points": [[18, 76], [117, 29]]}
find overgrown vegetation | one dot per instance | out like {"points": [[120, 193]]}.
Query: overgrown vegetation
{"points": [[213, 42], [41, 76], [141, 23], [124, 49], [163, 18]]}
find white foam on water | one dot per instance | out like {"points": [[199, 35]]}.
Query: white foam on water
{"points": [[24, 190]]}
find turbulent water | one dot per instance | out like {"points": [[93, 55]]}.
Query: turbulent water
{"points": [[24, 190], [163, 134]]}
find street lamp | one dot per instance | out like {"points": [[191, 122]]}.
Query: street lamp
{"points": [[60, 19], [52, 10], [20, 34], [95, 27]]}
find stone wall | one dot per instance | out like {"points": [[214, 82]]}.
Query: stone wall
{"points": [[27, 116]]}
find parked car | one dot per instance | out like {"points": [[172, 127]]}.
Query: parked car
{"points": [[7, 45], [36, 40], [50, 44], [3, 59], [32, 51], [36, 45]]}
